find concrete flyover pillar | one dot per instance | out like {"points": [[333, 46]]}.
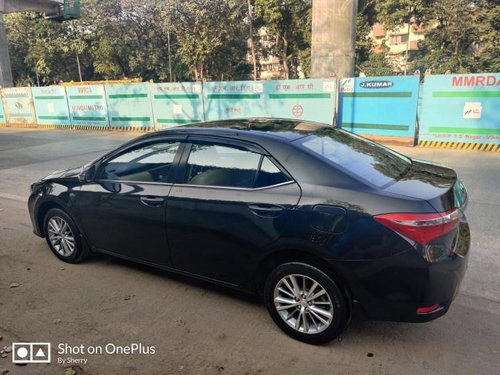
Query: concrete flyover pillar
{"points": [[5, 71], [333, 37]]}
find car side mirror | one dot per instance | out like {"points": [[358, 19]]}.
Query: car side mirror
{"points": [[87, 175]]}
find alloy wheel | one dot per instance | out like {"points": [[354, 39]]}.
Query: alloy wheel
{"points": [[61, 236], [303, 304]]}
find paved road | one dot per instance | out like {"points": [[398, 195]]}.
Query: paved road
{"points": [[200, 329]]}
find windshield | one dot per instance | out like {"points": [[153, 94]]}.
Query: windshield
{"points": [[357, 156]]}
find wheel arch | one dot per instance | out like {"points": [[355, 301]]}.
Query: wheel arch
{"points": [[50, 204], [274, 259], [42, 212]]}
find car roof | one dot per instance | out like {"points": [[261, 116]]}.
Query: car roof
{"points": [[285, 130]]}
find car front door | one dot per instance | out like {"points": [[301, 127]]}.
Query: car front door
{"points": [[123, 210], [230, 205]]}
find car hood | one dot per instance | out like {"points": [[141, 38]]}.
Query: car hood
{"points": [[67, 173]]}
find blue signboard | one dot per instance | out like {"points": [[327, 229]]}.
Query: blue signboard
{"points": [[51, 105], [461, 108], [18, 106], [129, 105], [176, 103], [307, 99], [236, 99], [87, 106], [379, 106], [2, 113]]}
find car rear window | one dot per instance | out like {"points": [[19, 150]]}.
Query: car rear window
{"points": [[365, 160]]}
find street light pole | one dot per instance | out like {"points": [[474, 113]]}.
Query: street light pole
{"points": [[252, 47], [79, 69], [411, 9], [169, 59], [407, 47]]}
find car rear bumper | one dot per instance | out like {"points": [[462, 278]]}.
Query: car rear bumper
{"points": [[394, 288]]}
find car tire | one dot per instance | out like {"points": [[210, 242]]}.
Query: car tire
{"points": [[313, 299], [63, 236]]}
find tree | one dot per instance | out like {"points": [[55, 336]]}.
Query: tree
{"points": [[128, 38], [289, 21], [251, 38], [20, 36], [461, 36], [394, 13], [209, 32], [376, 65], [364, 44], [124, 38], [42, 49], [489, 40], [452, 38]]}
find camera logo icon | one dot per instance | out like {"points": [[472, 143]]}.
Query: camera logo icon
{"points": [[31, 352]]}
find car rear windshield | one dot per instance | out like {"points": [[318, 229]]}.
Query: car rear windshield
{"points": [[357, 156]]}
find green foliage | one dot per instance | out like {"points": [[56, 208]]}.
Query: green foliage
{"points": [[462, 37], [210, 36], [38, 47], [115, 39], [376, 65], [393, 13], [489, 37], [289, 21], [363, 41]]}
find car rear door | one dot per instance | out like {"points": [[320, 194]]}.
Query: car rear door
{"points": [[123, 210], [229, 205]]}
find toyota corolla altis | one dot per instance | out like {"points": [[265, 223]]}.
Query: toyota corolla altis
{"points": [[313, 218]]}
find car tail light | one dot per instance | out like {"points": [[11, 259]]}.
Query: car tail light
{"points": [[421, 228], [428, 309]]}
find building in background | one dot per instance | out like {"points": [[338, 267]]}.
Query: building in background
{"points": [[269, 65], [397, 43]]}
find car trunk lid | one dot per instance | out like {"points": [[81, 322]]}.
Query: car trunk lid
{"points": [[435, 183]]}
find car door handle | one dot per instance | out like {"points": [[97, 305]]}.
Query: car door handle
{"points": [[152, 201], [270, 210]]}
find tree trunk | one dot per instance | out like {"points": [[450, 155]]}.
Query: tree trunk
{"points": [[284, 56], [79, 67], [457, 55], [252, 47]]}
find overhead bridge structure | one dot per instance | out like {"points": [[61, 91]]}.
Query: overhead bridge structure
{"points": [[58, 10]]}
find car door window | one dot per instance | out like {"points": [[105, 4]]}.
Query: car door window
{"points": [[150, 163], [216, 165], [270, 174]]}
